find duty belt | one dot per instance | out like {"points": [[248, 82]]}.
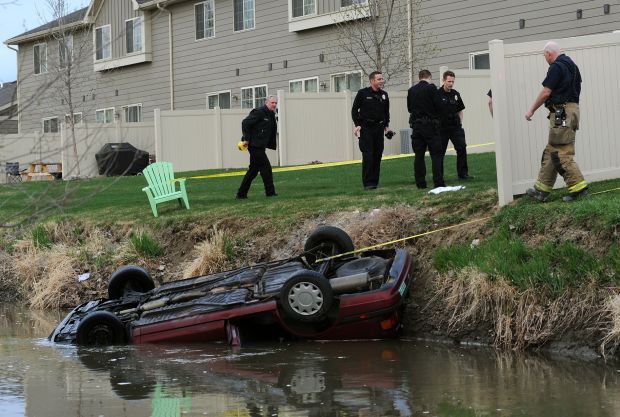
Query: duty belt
{"points": [[373, 122]]}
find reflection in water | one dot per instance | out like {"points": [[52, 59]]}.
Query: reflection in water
{"points": [[395, 378]]}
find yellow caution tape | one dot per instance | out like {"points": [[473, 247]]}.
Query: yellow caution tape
{"points": [[400, 240], [313, 166], [606, 191]]}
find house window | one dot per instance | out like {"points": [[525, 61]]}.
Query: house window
{"points": [[205, 19], [252, 97], [133, 35], [479, 60], [77, 119], [40, 58], [349, 3], [221, 100], [347, 81], [133, 113], [306, 85], [244, 14], [105, 115], [65, 51], [103, 43], [50, 125], [304, 7]]}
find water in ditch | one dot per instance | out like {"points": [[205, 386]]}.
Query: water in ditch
{"points": [[370, 378]]}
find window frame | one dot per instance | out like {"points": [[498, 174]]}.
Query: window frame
{"points": [[46, 119], [133, 31], [292, 8], [74, 114], [217, 93], [42, 69], [109, 44], [104, 110], [254, 87], [472, 58], [303, 84], [203, 3], [354, 3], [332, 85], [63, 63], [126, 109], [253, 17]]}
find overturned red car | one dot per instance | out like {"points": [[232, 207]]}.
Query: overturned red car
{"points": [[315, 295]]}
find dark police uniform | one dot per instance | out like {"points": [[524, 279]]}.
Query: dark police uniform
{"points": [[259, 129], [371, 111], [564, 80], [424, 107], [451, 129]]}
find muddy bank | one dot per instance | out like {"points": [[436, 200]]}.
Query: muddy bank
{"points": [[66, 263]]}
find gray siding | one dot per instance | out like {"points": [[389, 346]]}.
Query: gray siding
{"points": [[210, 65], [464, 26], [115, 13]]}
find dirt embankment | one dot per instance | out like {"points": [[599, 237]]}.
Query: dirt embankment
{"points": [[463, 307]]}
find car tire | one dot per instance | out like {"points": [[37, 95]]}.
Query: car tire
{"points": [[100, 328], [306, 297], [129, 278], [327, 241]]}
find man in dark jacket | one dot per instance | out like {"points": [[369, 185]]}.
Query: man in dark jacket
{"points": [[371, 116], [424, 105], [452, 123], [259, 132]]}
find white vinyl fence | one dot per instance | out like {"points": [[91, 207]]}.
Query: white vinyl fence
{"points": [[312, 128], [517, 71], [58, 147]]}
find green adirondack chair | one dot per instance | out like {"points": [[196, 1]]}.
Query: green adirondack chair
{"points": [[162, 185]]}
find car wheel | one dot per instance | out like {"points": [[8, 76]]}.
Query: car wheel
{"points": [[306, 296], [100, 328], [327, 241], [129, 278]]}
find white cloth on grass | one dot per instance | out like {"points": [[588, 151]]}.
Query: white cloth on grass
{"points": [[439, 190]]}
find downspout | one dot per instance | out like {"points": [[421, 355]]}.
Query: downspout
{"points": [[410, 40], [19, 112], [163, 9]]}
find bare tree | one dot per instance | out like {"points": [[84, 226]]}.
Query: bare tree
{"points": [[66, 66], [382, 35]]}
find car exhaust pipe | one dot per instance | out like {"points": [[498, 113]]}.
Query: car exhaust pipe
{"points": [[351, 282]]}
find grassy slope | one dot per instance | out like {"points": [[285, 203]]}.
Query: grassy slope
{"points": [[556, 257]]}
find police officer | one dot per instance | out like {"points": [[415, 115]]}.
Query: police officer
{"points": [[451, 123], [259, 132], [425, 110], [371, 116], [560, 94]]}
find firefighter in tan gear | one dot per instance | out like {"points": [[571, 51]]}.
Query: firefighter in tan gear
{"points": [[560, 94]]}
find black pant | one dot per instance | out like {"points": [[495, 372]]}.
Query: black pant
{"points": [[425, 135], [456, 134], [258, 163], [371, 146]]}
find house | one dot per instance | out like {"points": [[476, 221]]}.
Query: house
{"points": [[121, 59], [8, 108]]}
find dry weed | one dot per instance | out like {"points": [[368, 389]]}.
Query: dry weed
{"points": [[57, 286], [210, 256], [611, 341]]}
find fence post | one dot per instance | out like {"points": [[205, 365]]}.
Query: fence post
{"points": [[350, 137], [282, 128], [158, 139], [219, 148], [442, 69], [503, 161]]}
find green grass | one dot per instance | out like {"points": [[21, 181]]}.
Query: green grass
{"points": [[554, 265], [145, 245], [302, 194]]}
